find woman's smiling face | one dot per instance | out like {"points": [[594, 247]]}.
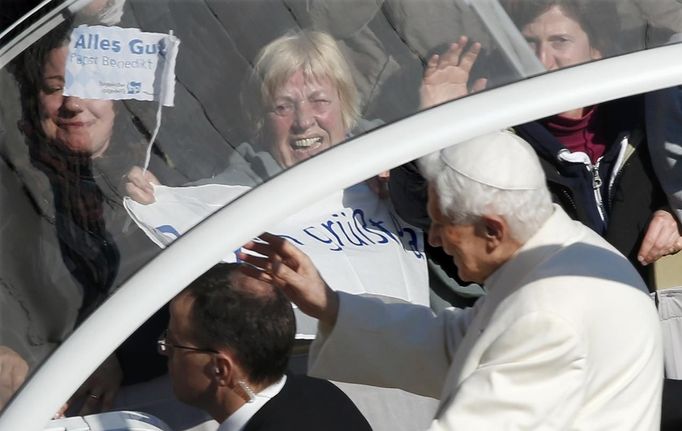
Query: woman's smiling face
{"points": [[81, 125], [305, 119]]}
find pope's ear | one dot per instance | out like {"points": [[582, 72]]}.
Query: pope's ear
{"points": [[495, 229]]}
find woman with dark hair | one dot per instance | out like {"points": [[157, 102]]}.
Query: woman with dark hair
{"points": [[84, 149], [64, 135], [596, 158], [596, 19]]}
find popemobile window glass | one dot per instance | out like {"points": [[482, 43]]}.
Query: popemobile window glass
{"points": [[125, 123]]}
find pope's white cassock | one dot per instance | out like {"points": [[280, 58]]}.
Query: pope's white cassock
{"points": [[566, 339]]}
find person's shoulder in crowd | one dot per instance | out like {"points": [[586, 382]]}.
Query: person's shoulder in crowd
{"points": [[245, 167], [307, 403]]}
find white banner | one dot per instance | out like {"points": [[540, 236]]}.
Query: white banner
{"points": [[355, 240], [121, 63]]}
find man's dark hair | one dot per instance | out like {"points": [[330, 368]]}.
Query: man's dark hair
{"points": [[257, 325], [599, 19]]}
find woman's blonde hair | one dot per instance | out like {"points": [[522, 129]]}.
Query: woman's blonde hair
{"points": [[313, 52]]}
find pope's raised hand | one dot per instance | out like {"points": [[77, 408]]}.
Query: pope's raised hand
{"points": [[291, 270]]}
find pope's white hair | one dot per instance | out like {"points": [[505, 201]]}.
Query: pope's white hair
{"points": [[464, 200]]}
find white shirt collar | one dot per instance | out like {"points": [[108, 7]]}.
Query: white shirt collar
{"points": [[237, 420]]}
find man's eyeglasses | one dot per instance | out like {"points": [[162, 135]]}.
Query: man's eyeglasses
{"points": [[163, 346]]}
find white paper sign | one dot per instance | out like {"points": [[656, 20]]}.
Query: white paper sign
{"points": [[354, 239], [121, 63]]}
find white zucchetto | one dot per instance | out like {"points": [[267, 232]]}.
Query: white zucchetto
{"points": [[501, 160]]}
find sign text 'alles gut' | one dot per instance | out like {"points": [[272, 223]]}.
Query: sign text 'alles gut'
{"points": [[121, 63], [91, 50]]}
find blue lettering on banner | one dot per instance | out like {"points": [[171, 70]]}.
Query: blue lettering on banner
{"points": [[413, 240], [138, 47], [359, 216], [93, 41], [83, 59], [162, 48], [134, 87], [168, 229], [80, 43], [290, 238], [328, 225], [323, 240], [358, 241], [341, 231], [356, 231], [379, 224]]}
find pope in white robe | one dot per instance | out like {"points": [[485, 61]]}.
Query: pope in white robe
{"points": [[565, 339]]}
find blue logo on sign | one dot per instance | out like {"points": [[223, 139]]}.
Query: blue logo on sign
{"points": [[134, 87]]}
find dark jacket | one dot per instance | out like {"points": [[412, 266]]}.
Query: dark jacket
{"points": [[306, 403], [100, 246], [629, 187]]}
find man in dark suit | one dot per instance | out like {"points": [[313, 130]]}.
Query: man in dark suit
{"points": [[228, 344]]}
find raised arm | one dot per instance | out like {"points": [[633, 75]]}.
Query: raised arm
{"points": [[291, 270], [446, 76], [356, 333]]}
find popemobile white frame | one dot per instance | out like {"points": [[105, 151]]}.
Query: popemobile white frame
{"points": [[381, 149]]}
